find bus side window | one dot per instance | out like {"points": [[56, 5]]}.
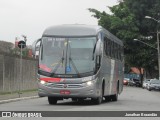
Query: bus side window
{"points": [[112, 49], [122, 54], [116, 50], [119, 53], [98, 62], [106, 46]]}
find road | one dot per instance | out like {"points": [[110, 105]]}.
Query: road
{"points": [[132, 99]]}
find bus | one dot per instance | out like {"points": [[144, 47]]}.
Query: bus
{"points": [[79, 62]]}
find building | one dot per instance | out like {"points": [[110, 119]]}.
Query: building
{"points": [[134, 73]]}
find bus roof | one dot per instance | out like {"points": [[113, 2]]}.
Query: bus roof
{"points": [[78, 30], [71, 30]]}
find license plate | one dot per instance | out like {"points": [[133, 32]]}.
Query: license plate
{"points": [[65, 92]]}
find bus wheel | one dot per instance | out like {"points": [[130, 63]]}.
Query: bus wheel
{"points": [[74, 99], [98, 100], [114, 97], [107, 98], [80, 100], [52, 100]]}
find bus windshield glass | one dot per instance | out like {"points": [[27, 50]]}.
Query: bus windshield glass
{"points": [[72, 56]]}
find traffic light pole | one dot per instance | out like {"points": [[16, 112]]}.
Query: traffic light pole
{"points": [[21, 45], [20, 81]]}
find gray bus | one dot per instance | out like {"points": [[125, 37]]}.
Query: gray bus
{"points": [[79, 62]]}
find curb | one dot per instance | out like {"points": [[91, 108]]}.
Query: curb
{"points": [[18, 99]]}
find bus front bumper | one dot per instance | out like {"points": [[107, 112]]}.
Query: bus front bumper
{"points": [[79, 91]]}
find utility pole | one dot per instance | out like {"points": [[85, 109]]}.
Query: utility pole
{"points": [[21, 45]]}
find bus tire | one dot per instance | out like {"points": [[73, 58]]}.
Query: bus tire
{"points": [[107, 98], [99, 99], [74, 99], [52, 100], [114, 97]]}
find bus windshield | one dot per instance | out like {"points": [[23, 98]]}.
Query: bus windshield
{"points": [[72, 56]]}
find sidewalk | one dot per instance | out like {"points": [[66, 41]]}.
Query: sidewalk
{"points": [[15, 96]]}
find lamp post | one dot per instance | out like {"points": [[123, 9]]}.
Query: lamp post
{"points": [[158, 21]]}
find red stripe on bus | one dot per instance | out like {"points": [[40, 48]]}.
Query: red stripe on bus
{"points": [[44, 67], [51, 79]]}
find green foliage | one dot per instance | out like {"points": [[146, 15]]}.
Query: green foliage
{"points": [[128, 22], [8, 48]]}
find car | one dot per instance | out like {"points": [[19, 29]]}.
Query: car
{"points": [[154, 84], [125, 81], [135, 82], [145, 83]]}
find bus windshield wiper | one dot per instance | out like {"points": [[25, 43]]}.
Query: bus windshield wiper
{"points": [[59, 63], [70, 60]]}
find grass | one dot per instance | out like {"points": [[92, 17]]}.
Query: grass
{"points": [[22, 91]]}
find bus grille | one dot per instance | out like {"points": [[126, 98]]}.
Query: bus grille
{"points": [[65, 85]]}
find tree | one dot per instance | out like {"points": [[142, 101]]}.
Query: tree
{"points": [[6, 46], [127, 22]]}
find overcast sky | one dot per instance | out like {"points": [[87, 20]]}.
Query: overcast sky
{"points": [[32, 17]]}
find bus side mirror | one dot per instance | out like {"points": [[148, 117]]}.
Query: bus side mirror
{"points": [[34, 46], [99, 48]]}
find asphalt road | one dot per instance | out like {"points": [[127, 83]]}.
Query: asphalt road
{"points": [[132, 99]]}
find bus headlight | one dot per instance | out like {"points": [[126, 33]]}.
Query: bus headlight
{"points": [[89, 83], [42, 82]]}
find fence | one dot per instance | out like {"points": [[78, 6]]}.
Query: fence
{"points": [[10, 78]]}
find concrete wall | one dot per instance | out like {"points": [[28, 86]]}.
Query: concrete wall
{"points": [[10, 77]]}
